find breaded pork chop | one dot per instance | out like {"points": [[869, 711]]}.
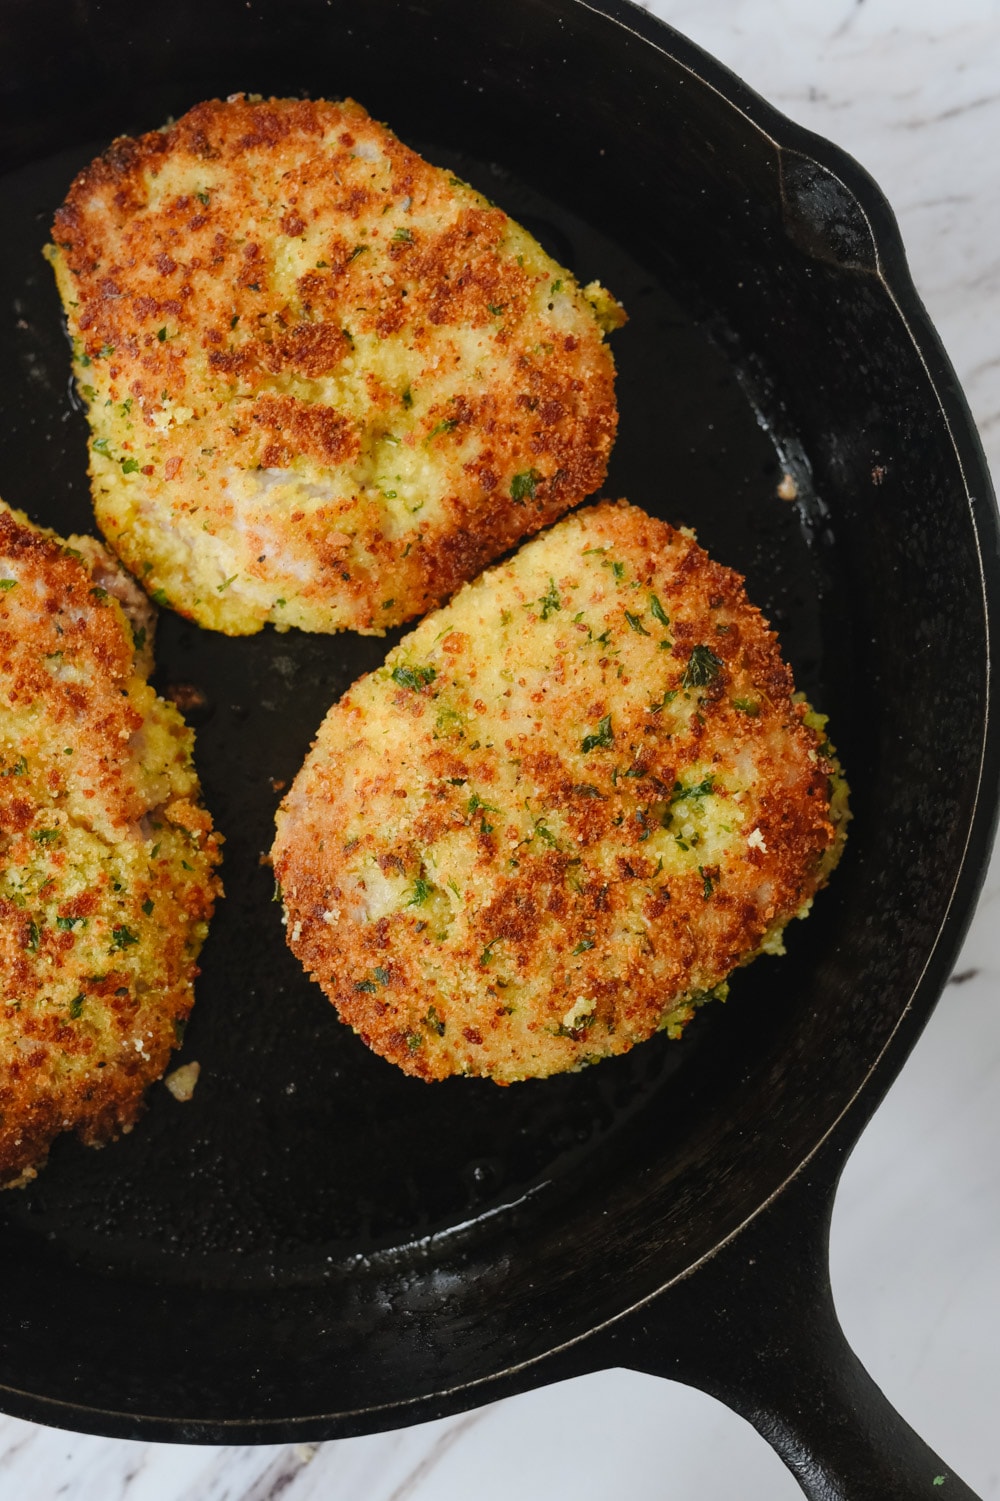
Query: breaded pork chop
{"points": [[326, 381], [106, 854], [567, 807]]}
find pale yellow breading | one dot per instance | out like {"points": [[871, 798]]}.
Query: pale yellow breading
{"points": [[106, 855], [326, 381], [567, 807]]}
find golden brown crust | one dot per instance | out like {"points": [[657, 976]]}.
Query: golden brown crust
{"points": [[570, 804], [327, 381], [106, 856]]}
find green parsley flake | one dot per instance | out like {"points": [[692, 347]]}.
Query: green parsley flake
{"points": [[681, 794], [523, 486], [702, 666], [414, 677], [433, 1022], [550, 600], [602, 739], [657, 611], [667, 698]]}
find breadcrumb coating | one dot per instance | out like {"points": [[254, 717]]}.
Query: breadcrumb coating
{"points": [[107, 857], [326, 381], [567, 807]]}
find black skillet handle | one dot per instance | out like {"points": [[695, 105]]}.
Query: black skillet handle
{"points": [[755, 1326]]}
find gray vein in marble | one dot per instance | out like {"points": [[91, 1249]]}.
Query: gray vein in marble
{"points": [[922, 121], [847, 24], [433, 1457], [946, 200], [13, 1448], [232, 1472], [817, 96], [283, 1471]]}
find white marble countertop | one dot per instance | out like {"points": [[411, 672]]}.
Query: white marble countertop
{"points": [[912, 89]]}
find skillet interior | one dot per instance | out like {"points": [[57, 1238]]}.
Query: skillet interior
{"points": [[317, 1240]]}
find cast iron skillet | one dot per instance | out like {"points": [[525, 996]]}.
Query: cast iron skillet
{"points": [[317, 1245]]}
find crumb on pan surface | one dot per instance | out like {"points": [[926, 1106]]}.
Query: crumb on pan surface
{"points": [[326, 381], [106, 855], [566, 808], [181, 1081]]}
